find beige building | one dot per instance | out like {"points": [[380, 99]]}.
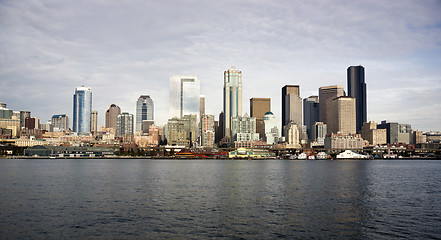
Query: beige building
{"points": [[326, 96], [182, 131], [344, 141], [418, 137], [12, 124], [374, 136], [344, 119], [232, 97], [293, 135], [112, 116], [207, 131], [258, 108]]}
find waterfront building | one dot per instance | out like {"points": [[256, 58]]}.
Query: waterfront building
{"points": [[60, 122], [271, 129], [326, 96], [82, 107], [243, 129], [293, 135], [93, 121], [344, 116], [258, 108], [207, 131], [396, 132], [357, 89], [144, 111], [184, 96], [319, 132], [32, 123], [310, 114], [292, 109], [112, 116], [433, 137], [344, 141], [23, 115], [232, 98], [124, 125], [418, 137], [182, 131], [146, 125], [374, 136]]}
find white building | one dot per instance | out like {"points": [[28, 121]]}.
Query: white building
{"points": [[270, 126], [184, 96], [243, 129]]}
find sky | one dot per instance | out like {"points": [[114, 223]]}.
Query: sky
{"points": [[124, 49]]}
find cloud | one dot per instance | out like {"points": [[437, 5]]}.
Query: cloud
{"points": [[124, 49]]}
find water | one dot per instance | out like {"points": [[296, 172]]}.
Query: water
{"points": [[219, 199]]}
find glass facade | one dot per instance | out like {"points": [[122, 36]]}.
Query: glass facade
{"points": [[82, 106], [144, 111], [184, 96], [232, 97]]}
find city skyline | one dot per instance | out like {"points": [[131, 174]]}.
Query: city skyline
{"points": [[272, 44]]}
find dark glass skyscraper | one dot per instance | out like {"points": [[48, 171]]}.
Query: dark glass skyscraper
{"points": [[357, 89], [144, 111]]}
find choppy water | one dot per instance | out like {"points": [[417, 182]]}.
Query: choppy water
{"points": [[219, 199]]}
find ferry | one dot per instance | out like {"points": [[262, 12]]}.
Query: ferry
{"points": [[302, 156], [321, 156], [348, 154]]}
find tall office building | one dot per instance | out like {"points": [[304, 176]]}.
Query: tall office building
{"points": [[93, 121], [144, 111], [32, 123], [343, 116], [357, 89], [184, 96], [319, 131], [258, 108], [286, 90], [292, 109], [201, 106], [124, 124], [310, 114], [112, 116], [82, 107], [232, 97], [207, 131], [60, 122], [23, 116], [326, 96], [271, 128]]}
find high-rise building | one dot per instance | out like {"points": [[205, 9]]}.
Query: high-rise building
{"points": [[343, 116], [82, 107], [5, 113], [326, 96], [23, 116], [182, 131], [310, 114], [221, 128], [357, 89], [60, 122], [292, 135], [232, 97], [93, 121], [243, 128], [144, 111], [32, 123], [112, 116], [201, 106], [396, 132], [207, 131], [373, 135], [319, 132], [271, 128], [287, 90], [184, 96], [124, 124], [258, 108]]}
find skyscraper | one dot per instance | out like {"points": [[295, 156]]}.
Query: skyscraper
{"points": [[326, 96], [184, 96], [82, 107], [60, 122], [25, 114], [144, 111], [310, 114], [292, 109], [112, 116], [232, 97], [258, 108], [93, 121], [357, 89], [124, 124], [343, 115]]}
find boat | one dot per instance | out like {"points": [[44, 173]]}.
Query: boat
{"points": [[321, 156], [311, 157], [302, 156], [348, 154]]}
